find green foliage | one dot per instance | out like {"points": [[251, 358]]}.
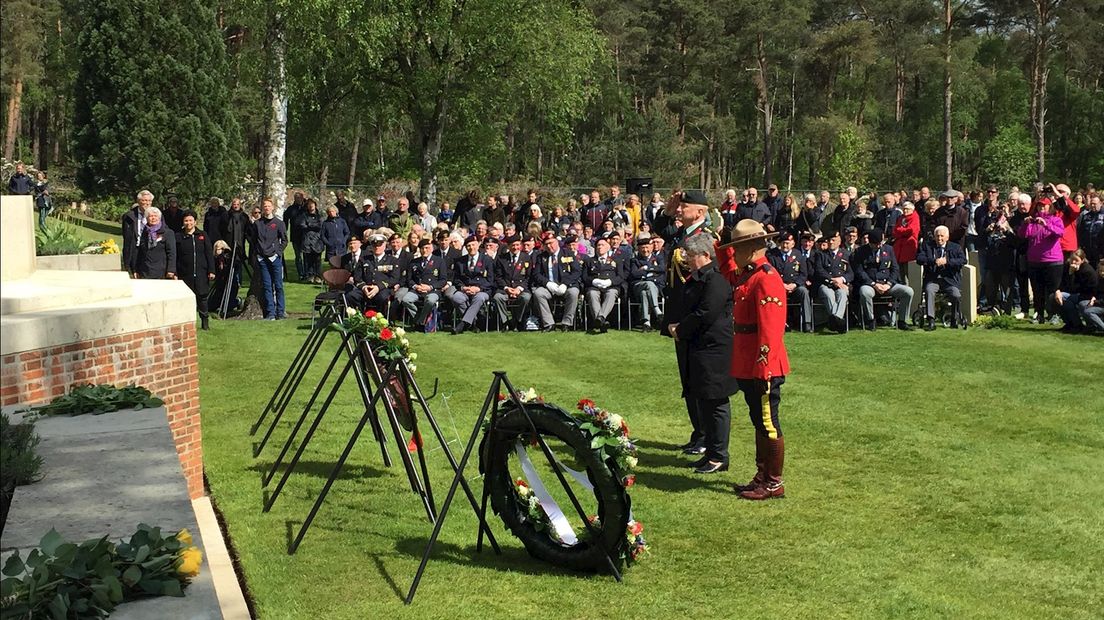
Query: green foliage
{"points": [[996, 321], [97, 399], [60, 579], [152, 106], [849, 162], [56, 239], [1009, 158], [19, 463]]}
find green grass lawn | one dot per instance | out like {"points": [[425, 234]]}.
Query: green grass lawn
{"points": [[946, 474], [89, 230]]}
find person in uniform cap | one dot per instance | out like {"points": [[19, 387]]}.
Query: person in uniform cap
{"points": [[832, 276], [605, 274], [473, 276], [703, 337], [794, 271], [877, 273], [688, 208], [424, 283], [375, 278], [512, 272], [646, 270], [490, 247], [759, 360]]}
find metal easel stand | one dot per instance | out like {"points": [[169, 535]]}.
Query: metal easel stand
{"points": [[491, 407]]}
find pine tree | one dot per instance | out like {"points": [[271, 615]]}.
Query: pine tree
{"points": [[152, 100]]}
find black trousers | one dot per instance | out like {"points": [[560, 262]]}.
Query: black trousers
{"points": [[697, 434], [714, 419], [763, 399], [1045, 279]]}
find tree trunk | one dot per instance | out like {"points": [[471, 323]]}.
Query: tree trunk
{"points": [[899, 91], [1039, 74], [42, 140], [275, 181], [15, 106], [432, 136], [353, 157], [948, 149], [766, 108]]}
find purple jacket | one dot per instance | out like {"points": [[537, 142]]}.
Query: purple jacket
{"points": [[1043, 240]]}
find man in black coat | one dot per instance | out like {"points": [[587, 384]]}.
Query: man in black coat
{"points": [[794, 270], [605, 273], [557, 272], [426, 278], [513, 270], [473, 276], [375, 278], [215, 220], [753, 209], [703, 331], [134, 224], [195, 262], [877, 273], [832, 275], [942, 261], [646, 270]]}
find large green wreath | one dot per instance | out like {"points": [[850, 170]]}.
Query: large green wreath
{"points": [[608, 456]]}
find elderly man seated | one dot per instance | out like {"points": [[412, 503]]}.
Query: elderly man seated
{"points": [[557, 272], [942, 261], [877, 273]]}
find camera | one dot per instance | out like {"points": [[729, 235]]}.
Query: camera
{"points": [[1047, 190]]}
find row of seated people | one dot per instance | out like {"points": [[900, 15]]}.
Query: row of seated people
{"points": [[514, 279]]}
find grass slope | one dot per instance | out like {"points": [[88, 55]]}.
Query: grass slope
{"points": [[950, 474]]}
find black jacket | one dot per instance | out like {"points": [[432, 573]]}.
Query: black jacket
{"points": [[650, 268], [875, 265], [310, 232], [753, 211], [482, 275], [132, 223], [429, 271], [195, 259], [235, 232], [157, 255], [270, 236], [793, 270], [20, 184], [948, 275], [382, 270], [567, 269], [705, 334], [612, 269], [215, 221], [830, 264], [513, 274], [1082, 282]]}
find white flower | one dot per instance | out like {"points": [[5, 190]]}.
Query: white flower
{"points": [[405, 342], [400, 332], [412, 357], [631, 462], [350, 311], [413, 368], [623, 440], [524, 491], [615, 421], [529, 395]]}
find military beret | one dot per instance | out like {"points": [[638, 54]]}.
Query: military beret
{"points": [[824, 239], [643, 241], [424, 242], [570, 239], [396, 236], [489, 240], [807, 235], [875, 236], [511, 239], [785, 235], [471, 239], [850, 229], [548, 234], [695, 196]]}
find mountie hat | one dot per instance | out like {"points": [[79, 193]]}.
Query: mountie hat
{"points": [[695, 197], [748, 230], [874, 236]]}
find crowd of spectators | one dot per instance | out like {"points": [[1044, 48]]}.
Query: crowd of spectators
{"points": [[492, 262]]}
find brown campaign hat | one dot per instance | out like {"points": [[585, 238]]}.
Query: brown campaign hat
{"points": [[748, 230]]}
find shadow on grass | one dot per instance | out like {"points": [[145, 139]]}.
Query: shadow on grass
{"points": [[671, 483], [322, 469], [513, 559]]}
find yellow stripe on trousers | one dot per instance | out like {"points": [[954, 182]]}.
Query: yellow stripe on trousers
{"points": [[767, 422]]}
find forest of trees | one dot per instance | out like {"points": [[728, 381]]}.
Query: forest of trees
{"points": [[194, 97]]}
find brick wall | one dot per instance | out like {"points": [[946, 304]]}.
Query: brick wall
{"points": [[162, 360]]}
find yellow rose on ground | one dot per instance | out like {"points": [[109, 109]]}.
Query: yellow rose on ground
{"points": [[189, 561], [185, 537]]}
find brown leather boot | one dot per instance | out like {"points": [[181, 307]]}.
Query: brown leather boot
{"points": [[760, 465], [772, 484]]}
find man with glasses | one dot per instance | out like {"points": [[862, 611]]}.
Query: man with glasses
{"points": [[753, 209], [473, 277]]}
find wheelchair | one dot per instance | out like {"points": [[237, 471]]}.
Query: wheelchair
{"points": [[947, 312]]}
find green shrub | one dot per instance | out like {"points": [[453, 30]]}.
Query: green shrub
{"points": [[19, 464], [98, 399], [996, 321], [57, 239], [110, 209]]}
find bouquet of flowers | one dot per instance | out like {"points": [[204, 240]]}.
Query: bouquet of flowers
{"points": [[389, 343], [610, 432]]}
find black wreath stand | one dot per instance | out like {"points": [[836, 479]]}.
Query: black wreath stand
{"points": [[491, 406], [373, 382]]}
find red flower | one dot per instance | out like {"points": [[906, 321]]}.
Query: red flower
{"points": [[521, 483], [386, 334], [624, 428], [415, 443], [370, 313], [629, 481], [585, 403], [500, 396], [636, 528]]}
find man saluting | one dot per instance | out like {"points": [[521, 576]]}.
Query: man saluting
{"points": [[759, 361]]}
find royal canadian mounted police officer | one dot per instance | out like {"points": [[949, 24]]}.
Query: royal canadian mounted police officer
{"points": [[195, 262], [689, 208], [759, 361]]}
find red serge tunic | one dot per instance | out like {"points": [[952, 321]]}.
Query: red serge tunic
{"points": [[759, 318]]}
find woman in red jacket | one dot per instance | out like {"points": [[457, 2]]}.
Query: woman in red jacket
{"points": [[906, 236]]}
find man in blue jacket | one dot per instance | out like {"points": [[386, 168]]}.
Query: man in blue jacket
{"points": [[877, 273], [942, 261]]}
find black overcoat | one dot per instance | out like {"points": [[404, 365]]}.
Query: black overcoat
{"points": [[705, 336]]}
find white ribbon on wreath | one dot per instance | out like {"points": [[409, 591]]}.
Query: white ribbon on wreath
{"points": [[555, 514]]}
